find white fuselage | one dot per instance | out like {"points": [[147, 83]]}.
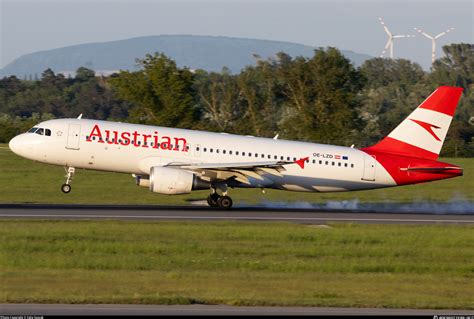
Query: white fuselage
{"points": [[75, 143]]}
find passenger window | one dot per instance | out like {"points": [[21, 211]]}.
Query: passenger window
{"points": [[338, 164], [333, 163], [243, 153], [223, 151], [281, 158], [352, 165], [320, 162], [211, 150], [275, 157], [288, 158], [345, 164], [314, 161], [217, 151], [197, 148], [327, 163], [205, 149], [230, 152]]}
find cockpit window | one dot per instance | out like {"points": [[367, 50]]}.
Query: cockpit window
{"points": [[40, 131], [32, 130], [47, 132]]}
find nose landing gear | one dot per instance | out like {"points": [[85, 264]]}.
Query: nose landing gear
{"points": [[222, 201], [66, 188]]}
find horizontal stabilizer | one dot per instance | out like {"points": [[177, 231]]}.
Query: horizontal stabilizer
{"points": [[433, 169]]}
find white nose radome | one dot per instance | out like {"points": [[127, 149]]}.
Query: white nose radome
{"points": [[14, 145], [21, 145]]}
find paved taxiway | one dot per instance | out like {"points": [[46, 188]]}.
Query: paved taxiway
{"points": [[196, 213], [61, 309]]}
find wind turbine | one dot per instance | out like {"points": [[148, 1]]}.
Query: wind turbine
{"points": [[391, 37], [433, 40]]}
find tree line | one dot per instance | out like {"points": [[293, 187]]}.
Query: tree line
{"points": [[322, 99]]}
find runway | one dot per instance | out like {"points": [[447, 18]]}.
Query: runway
{"points": [[61, 309], [197, 213]]}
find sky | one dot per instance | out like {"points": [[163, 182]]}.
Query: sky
{"points": [[28, 26]]}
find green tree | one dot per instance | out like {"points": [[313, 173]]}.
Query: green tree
{"points": [[218, 97], [322, 97], [457, 68], [161, 92], [393, 88]]}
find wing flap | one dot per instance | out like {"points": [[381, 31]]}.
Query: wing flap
{"points": [[239, 171]]}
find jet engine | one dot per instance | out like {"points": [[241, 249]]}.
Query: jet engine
{"points": [[174, 181]]}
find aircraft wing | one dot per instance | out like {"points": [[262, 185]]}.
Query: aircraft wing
{"points": [[239, 171]]}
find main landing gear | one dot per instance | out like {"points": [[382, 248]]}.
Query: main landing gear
{"points": [[221, 201], [66, 188]]}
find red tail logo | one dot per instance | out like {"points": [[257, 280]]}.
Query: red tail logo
{"points": [[428, 127]]}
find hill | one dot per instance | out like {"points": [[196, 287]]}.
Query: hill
{"points": [[196, 52]]}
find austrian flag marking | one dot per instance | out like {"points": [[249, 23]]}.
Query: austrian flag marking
{"points": [[137, 139]]}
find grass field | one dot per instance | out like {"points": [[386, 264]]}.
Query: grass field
{"points": [[237, 264], [24, 181]]}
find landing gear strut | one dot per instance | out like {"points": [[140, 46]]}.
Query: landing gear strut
{"points": [[222, 201], [66, 188]]}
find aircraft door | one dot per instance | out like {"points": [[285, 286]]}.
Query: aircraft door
{"points": [[370, 165], [73, 136]]}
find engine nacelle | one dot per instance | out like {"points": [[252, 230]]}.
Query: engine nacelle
{"points": [[174, 181]]}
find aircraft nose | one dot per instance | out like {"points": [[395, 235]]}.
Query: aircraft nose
{"points": [[14, 144], [20, 145]]}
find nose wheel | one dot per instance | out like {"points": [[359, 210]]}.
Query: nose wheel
{"points": [[66, 188]]}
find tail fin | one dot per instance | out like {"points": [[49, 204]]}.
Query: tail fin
{"points": [[423, 132]]}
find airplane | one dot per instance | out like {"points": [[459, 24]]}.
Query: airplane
{"points": [[177, 161]]}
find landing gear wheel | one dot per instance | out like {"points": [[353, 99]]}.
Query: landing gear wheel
{"points": [[225, 202], [212, 200], [66, 188]]}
